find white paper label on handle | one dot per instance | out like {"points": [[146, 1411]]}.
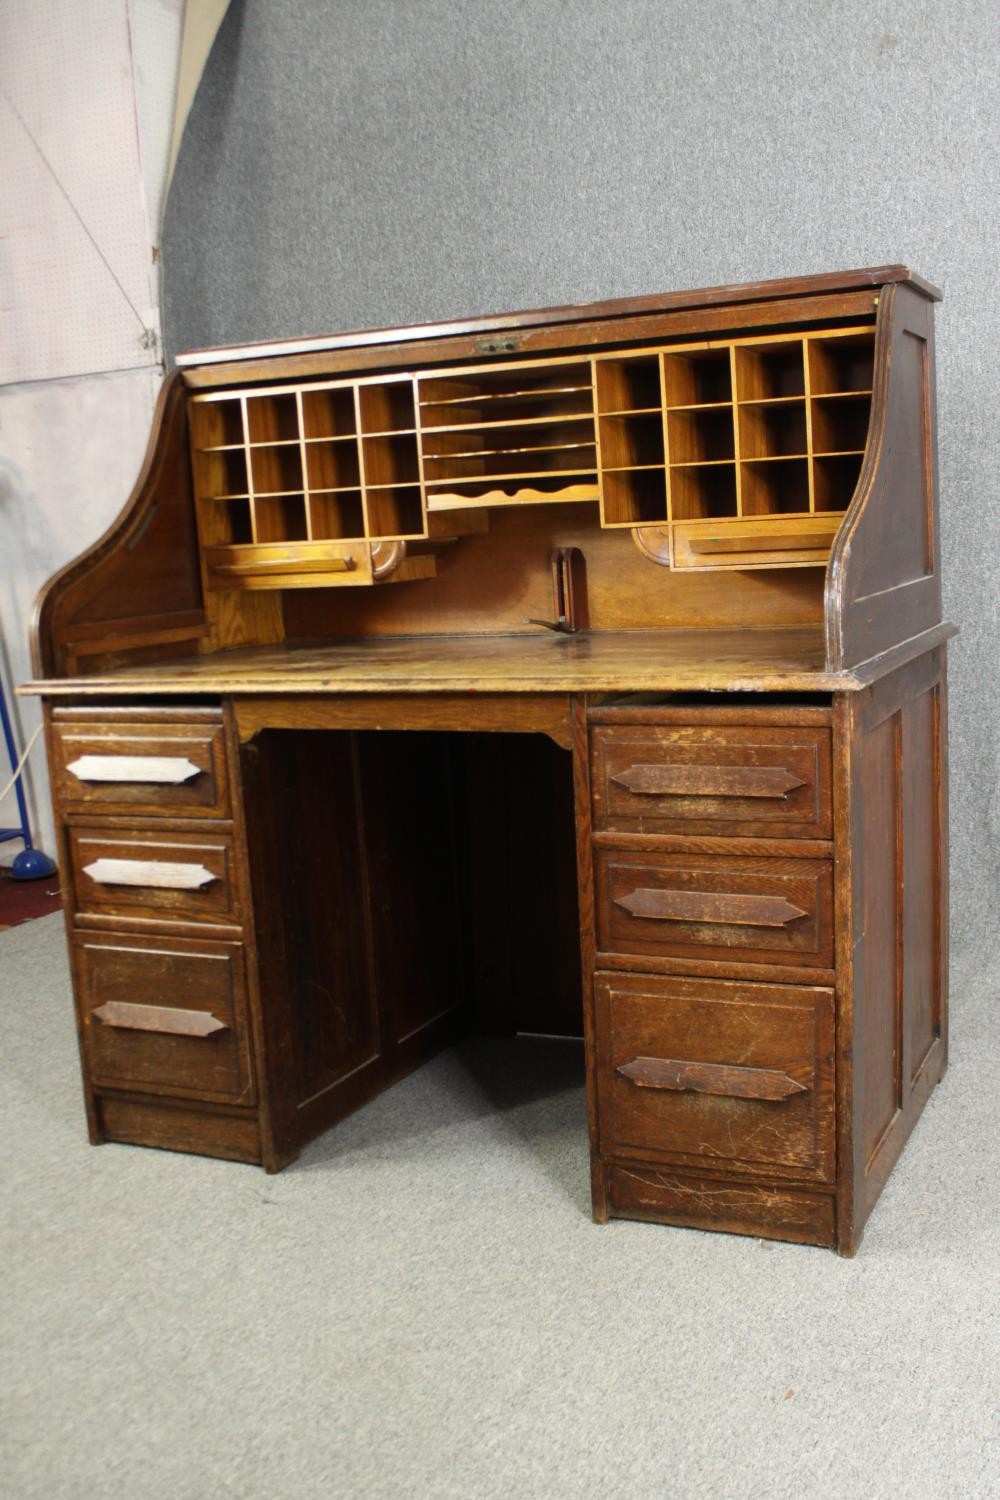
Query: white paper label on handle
{"points": [[164, 770]]}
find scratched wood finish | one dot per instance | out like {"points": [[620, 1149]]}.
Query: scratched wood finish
{"points": [[151, 770], [713, 907], [661, 1195], [774, 1029], [166, 875], [743, 781], [785, 660], [728, 1080], [627, 661]]}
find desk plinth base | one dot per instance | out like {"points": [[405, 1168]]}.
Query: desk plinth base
{"points": [[661, 1196], [174, 1125]]}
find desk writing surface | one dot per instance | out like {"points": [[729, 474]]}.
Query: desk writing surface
{"points": [[690, 660], [620, 661], [789, 659]]}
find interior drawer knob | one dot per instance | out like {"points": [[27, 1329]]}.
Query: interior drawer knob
{"points": [[163, 770], [708, 781], [161, 874], [710, 906], [729, 1079], [126, 1016]]}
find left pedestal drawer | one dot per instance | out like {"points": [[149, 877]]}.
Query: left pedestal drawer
{"points": [[173, 873], [158, 765], [165, 1016]]}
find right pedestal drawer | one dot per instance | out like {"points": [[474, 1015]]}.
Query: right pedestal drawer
{"points": [[705, 1073], [733, 781], [728, 908]]}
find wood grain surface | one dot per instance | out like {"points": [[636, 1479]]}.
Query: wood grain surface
{"points": [[625, 661]]}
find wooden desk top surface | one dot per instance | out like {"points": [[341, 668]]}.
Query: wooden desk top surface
{"points": [[756, 660]]}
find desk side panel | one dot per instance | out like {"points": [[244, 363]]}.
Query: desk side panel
{"points": [[883, 581], [138, 587], [891, 797]]}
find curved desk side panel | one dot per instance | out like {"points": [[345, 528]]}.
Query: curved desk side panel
{"points": [[136, 595], [883, 582]]}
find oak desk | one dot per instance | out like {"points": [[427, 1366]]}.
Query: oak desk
{"points": [[577, 672]]}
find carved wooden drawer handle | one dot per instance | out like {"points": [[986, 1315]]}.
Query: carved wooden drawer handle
{"points": [[163, 770], [125, 1016], [710, 906], [160, 873], [708, 781], [728, 1079]]}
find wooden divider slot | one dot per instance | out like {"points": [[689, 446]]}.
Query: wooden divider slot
{"points": [[840, 423], [628, 385], [336, 516], [703, 492], [272, 419], [328, 413], [768, 372], [697, 377], [842, 364]]}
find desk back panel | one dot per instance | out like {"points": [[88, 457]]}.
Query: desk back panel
{"points": [[496, 581], [522, 914]]}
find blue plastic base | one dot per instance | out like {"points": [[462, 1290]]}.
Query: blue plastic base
{"points": [[32, 864]]}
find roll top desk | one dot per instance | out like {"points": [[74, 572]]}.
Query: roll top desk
{"points": [[580, 671]]}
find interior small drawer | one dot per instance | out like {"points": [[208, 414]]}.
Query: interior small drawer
{"points": [[726, 908], [751, 782], [164, 1015], [149, 767], [176, 873], [288, 563], [704, 1072], [769, 539]]}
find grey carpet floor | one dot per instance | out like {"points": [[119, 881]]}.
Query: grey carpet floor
{"points": [[422, 1307]]}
